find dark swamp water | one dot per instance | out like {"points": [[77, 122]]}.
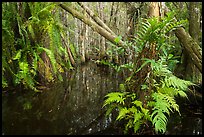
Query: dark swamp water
{"points": [[74, 107]]}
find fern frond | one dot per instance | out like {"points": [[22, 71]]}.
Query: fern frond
{"points": [[173, 25], [137, 103], [112, 97], [159, 122], [128, 125], [177, 83], [167, 90], [4, 82], [163, 103], [137, 116], [110, 108], [51, 56], [182, 93], [137, 126], [171, 102], [35, 63], [122, 113]]}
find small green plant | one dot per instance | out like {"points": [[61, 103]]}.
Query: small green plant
{"points": [[129, 109]]}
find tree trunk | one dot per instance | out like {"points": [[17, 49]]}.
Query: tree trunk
{"points": [[191, 72], [71, 57], [92, 24], [96, 18], [193, 49], [83, 39], [102, 39], [148, 52], [76, 36]]}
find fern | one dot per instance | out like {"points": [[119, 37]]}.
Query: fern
{"points": [[34, 63], [117, 97], [164, 85], [166, 90], [134, 113], [150, 30], [122, 113], [163, 103], [51, 56], [177, 83], [110, 109]]}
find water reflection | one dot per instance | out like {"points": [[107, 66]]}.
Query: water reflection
{"points": [[74, 107], [189, 123], [66, 108]]}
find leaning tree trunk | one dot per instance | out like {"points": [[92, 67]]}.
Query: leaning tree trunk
{"points": [[193, 49], [191, 71], [190, 45], [96, 18], [83, 39], [92, 24]]}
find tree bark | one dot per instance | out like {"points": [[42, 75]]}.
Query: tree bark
{"points": [[70, 56], [92, 24], [83, 39], [194, 21], [96, 18], [102, 39], [193, 49], [191, 71]]}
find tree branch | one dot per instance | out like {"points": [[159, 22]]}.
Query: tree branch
{"points": [[96, 18], [92, 24]]}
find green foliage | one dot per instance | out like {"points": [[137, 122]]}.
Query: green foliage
{"points": [[163, 103], [27, 105], [164, 85], [24, 39], [51, 56], [117, 39], [122, 87], [159, 105], [114, 97], [134, 113], [152, 30], [118, 68]]}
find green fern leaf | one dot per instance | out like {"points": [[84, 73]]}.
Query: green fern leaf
{"points": [[122, 87], [122, 113], [136, 126], [114, 97], [51, 56], [137, 103], [160, 122], [18, 55], [137, 117], [182, 93], [110, 108]]}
